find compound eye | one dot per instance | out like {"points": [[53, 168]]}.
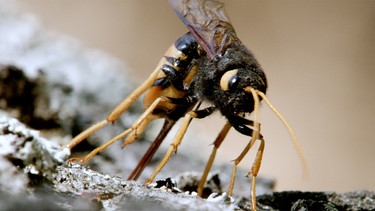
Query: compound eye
{"points": [[229, 80]]}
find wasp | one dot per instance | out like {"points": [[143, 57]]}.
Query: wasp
{"points": [[207, 64]]}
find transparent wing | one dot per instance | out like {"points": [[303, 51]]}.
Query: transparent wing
{"points": [[208, 22]]}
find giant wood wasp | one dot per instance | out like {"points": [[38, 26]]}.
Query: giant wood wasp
{"points": [[207, 64]]}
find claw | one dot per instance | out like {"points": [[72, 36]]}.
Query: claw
{"points": [[79, 160]]}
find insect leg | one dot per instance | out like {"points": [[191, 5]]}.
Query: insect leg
{"points": [[176, 141], [183, 105], [254, 172], [256, 165], [134, 135], [136, 124], [219, 139], [167, 126], [120, 108]]}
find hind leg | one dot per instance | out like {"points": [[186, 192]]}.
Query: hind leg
{"points": [[135, 126], [115, 114]]}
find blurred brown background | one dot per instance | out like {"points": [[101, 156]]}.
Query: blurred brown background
{"points": [[318, 56]]}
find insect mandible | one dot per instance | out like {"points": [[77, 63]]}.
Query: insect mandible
{"points": [[207, 64]]}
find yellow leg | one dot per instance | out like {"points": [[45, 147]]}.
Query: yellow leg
{"points": [[254, 137], [127, 102], [254, 172], [134, 135], [176, 142], [238, 160], [100, 148], [223, 133], [167, 126], [257, 162], [119, 109], [86, 133], [123, 134]]}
